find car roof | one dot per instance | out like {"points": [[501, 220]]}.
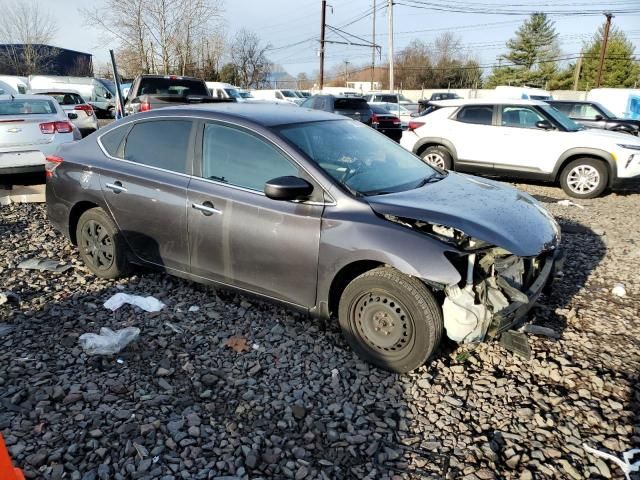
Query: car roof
{"points": [[570, 101], [41, 91], [267, 115], [24, 96], [485, 101]]}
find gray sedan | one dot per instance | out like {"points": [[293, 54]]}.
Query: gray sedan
{"points": [[312, 210], [31, 127]]}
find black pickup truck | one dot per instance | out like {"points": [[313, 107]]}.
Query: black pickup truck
{"points": [[149, 92], [594, 115]]}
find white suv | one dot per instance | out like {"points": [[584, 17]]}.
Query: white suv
{"points": [[523, 139]]}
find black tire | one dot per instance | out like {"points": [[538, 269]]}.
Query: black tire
{"points": [[390, 319], [439, 156], [584, 178], [101, 245]]}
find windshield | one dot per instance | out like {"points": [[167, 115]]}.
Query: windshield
{"points": [[402, 98], [289, 93], [232, 92], [359, 158], [561, 118], [109, 85], [245, 94], [605, 110]]}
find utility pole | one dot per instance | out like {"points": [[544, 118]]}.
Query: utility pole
{"points": [[390, 9], [346, 72], [576, 75], [322, 25], [603, 50], [373, 43]]}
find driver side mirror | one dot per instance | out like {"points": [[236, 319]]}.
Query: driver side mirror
{"points": [[598, 117], [288, 188], [544, 125]]}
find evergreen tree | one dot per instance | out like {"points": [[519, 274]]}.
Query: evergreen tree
{"points": [[532, 55], [620, 69]]}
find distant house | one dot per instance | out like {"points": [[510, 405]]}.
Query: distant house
{"points": [[38, 59]]}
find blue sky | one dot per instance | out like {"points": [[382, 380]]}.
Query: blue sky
{"points": [[283, 23]]}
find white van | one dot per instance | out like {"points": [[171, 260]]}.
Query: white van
{"points": [[341, 91], [521, 93], [97, 92], [623, 102], [19, 84], [278, 96], [224, 90]]}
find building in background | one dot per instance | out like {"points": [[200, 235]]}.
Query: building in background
{"points": [[38, 59]]}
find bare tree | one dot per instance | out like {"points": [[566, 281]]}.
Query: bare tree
{"points": [[250, 59], [25, 26], [165, 36]]}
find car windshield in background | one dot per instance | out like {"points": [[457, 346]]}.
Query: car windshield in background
{"points": [[109, 85], [359, 158], [245, 94], [561, 118], [67, 98], [603, 109], [27, 107], [351, 104], [232, 92], [176, 86], [289, 94]]}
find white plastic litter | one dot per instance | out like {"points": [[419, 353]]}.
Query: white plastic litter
{"points": [[569, 203], [255, 346], [618, 290], [108, 342], [625, 464], [335, 373], [174, 328], [148, 304], [194, 308]]}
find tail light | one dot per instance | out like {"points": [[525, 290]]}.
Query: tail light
{"points": [[414, 125], [49, 128], [52, 163], [374, 120], [85, 108], [145, 106], [395, 121]]}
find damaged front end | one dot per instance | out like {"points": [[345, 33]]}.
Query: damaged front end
{"points": [[497, 288]]}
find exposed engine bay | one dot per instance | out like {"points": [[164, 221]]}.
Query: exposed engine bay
{"points": [[497, 286]]}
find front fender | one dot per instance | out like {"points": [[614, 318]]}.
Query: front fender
{"points": [[344, 242]]}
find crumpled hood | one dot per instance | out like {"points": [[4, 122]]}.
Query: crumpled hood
{"points": [[483, 209]]}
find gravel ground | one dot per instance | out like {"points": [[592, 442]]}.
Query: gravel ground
{"points": [[179, 404]]}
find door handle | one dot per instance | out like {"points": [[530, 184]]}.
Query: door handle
{"points": [[206, 208], [116, 187]]}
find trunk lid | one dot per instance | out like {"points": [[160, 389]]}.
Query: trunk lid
{"points": [[18, 131]]}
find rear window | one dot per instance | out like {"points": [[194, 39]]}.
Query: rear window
{"points": [[351, 104], [27, 107], [168, 86], [478, 114], [66, 98]]}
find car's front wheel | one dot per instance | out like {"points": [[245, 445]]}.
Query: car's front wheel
{"points": [[438, 156], [101, 246], [584, 178], [390, 319]]}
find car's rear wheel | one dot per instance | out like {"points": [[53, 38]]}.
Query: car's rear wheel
{"points": [[390, 319], [101, 246], [438, 156], [584, 178]]}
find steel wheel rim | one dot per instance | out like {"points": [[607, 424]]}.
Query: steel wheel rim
{"points": [[97, 245], [583, 179], [382, 323], [435, 159]]}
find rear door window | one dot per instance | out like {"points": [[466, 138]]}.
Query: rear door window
{"points": [[112, 141], [160, 143], [477, 114]]}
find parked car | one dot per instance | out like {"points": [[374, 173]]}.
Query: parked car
{"points": [[6, 89], [31, 127], [100, 93], [401, 111], [386, 123], [523, 139], [224, 90], [312, 210], [353, 107], [78, 111], [623, 102], [279, 95], [304, 93], [19, 84], [594, 115], [150, 92], [378, 97]]}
